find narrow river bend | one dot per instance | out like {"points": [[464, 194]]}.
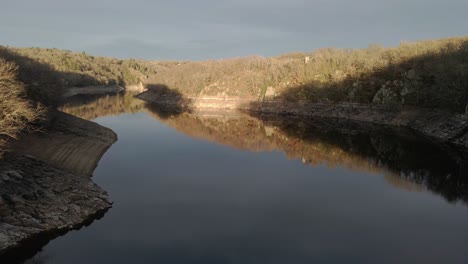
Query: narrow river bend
{"points": [[231, 188]]}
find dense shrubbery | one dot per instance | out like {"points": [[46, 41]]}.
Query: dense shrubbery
{"points": [[46, 72], [73, 69], [34, 79], [15, 111], [424, 74]]}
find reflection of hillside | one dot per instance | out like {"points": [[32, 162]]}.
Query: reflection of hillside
{"points": [[237, 131], [91, 107], [406, 161], [402, 153]]}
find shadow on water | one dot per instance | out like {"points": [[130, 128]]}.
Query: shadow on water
{"points": [[403, 156], [93, 106], [90, 107], [409, 156], [167, 102], [86, 99], [33, 245], [406, 159]]}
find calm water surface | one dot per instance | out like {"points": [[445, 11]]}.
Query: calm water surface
{"points": [[221, 188]]}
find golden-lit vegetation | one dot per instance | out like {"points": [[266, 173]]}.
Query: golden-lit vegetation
{"points": [[105, 105], [15, 111], [431, 74], [424, 74], [90, 70], [34, 79]]}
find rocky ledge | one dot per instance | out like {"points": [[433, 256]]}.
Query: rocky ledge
{"points": [[49, 192], [443, 126], [36, 198]]}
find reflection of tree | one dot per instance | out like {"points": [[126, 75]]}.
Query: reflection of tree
{"points": [[91, 107], [238, 131], [406, 160]]}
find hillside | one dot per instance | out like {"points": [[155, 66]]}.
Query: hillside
{"points": [[432, 74], [46, 72], [426, 74], [32, 81]]}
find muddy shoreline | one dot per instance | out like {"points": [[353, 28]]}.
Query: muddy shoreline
{"points": [[45, 183], [442, 126]]}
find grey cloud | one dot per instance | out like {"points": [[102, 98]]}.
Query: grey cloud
{"points": [[213, 29]]}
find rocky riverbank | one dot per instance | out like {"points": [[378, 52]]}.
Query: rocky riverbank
{"points": [[68, 142], [443, 126], [45, 186]]}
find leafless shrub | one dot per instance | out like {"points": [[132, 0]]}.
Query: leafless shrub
{"points": [[16, 113]]}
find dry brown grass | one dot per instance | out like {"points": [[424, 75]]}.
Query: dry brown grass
{"points": [[16, 112]]}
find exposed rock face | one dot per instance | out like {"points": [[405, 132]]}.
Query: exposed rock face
{"points": [[69, 142], [36, 197], [443, 126], [446, 127], [44, 180]]}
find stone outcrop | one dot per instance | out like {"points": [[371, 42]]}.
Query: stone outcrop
{"points": [[45, 184], [37, 198], [444, 126], [68, 142]]}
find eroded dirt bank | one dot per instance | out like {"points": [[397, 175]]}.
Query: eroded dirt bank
{"points": [[45, 186], [443, 126]]}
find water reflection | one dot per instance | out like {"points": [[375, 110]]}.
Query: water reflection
{"points": [[406, 159], [28, 251], [182, 199], [91, 107]]}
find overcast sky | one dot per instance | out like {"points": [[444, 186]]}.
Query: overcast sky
{"points": [[202, 29]]}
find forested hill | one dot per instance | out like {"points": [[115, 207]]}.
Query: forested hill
{"points": [[430, 74]]}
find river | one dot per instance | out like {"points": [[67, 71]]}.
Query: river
{"points": [[223, 187]]}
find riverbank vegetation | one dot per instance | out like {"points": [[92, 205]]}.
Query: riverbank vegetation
{"points": [[76, 69], [33, 80], [16, 112], [432, 74], [429, 74]]}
